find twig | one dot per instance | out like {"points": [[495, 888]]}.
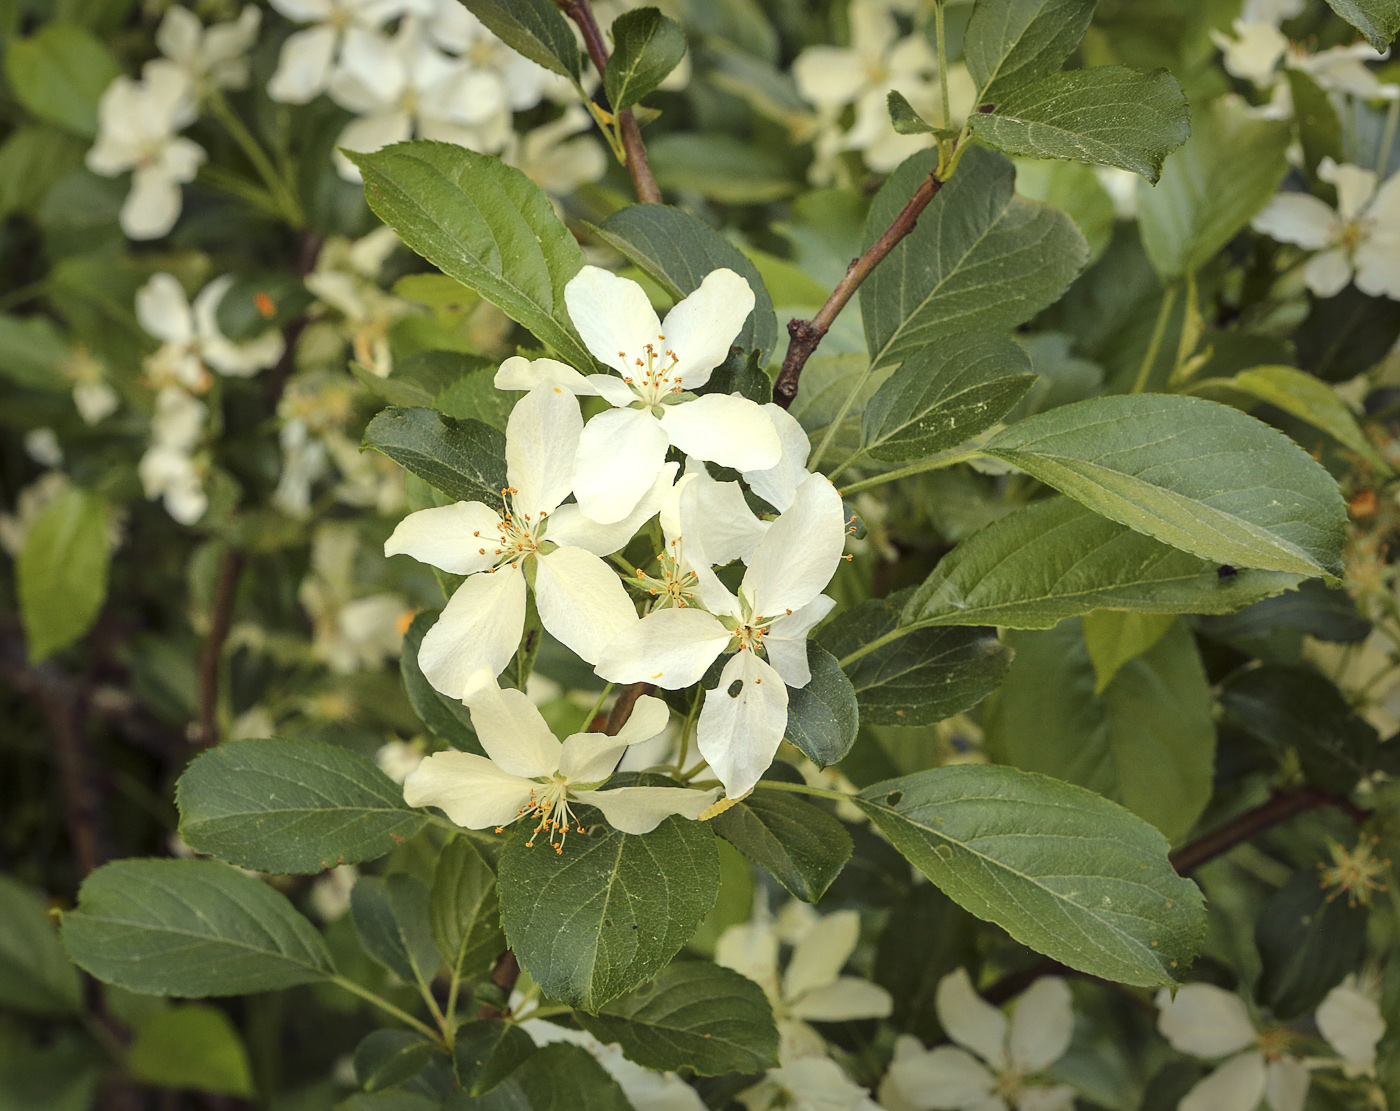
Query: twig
{"points": [[581, 12], [806, 334], [209, 664], [622, 708], [504, 973]]}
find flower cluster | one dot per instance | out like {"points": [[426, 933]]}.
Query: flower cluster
{"points": [[577, 492]]}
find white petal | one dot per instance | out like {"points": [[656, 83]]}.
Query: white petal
{"points": [[785, 643], [1042, 1024], [479, 627], [970, 1020], [582, 601], [751, 949], [724, 428], [829, 76], [642, 809], [613, 388], [671, 648], [613, 316], [1204, 1020], [844, 998], [518, 373], [1355, 187], [590, 757], [1327, 274], [1383, 213], [510, 727], [1237, 1085], [461, 538], [620, 453], [304, 66], [368, 134], [569, 525], [1299, 218], [701, 328], [469, 789], [163, 311], [801, 551], [716, 515], [942, 1078], [690, 537], [153, 205], [821, 954], [739, 732], [1378, 266], [648, 720], [1058, 1098], [778, 484], [542, 437], [1351, 1022], [1286, 1084]]}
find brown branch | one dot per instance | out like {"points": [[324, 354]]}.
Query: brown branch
{"points": [[504, 973], [806, 334], [221, 617], [626, 702], [581, 12]]}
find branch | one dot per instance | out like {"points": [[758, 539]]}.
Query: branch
{"points": [[504, 973], [212, 656], [623, 707], [806, 334], [581, 12]]}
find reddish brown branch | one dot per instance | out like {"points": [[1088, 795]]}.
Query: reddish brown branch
{"points": [[504, 973], [581, 12], [806, 334], [211, 660], [623, 707]]}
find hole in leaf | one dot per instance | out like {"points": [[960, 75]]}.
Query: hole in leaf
{"points": [[894, 798], [734, 688]]}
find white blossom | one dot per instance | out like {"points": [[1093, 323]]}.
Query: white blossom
{"points": [[1358, 241], [398, 759], [1351, 1021], [308, 56], [994, 1064], [211, 58], [192, 339], [168, 470], [807, 1084], [645, 1090], [345, 279], [528, 773]]}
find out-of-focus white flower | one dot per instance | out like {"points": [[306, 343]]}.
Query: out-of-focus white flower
{"points": [[1359, 240], [398, 759], [522, 83], [1206, 1021], [330, 893], [405, 86], [345, 279], [308, 56], [1272, 11], [1254, 52], [645, 1090], [193, 341], [812, 988], [41, 445], [167, 469], [555, 156], [138, 126], [807, 1084], [93, 395], [211, 58], [1351, 1021], [1343, 69], [995, 1067]]}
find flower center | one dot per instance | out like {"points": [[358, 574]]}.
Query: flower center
{"points": [[673, 587], [1351, 235], [653, 379], [517, 535], [1275, 1041], [1355, 872], [550, 803]]}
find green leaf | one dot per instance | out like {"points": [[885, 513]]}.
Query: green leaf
{"points": [[947, 941], [48, 1072], [1106, 116], [721, 167], [487, 1051], [192, 928], [33, 353], [1055, 559], [560, 1077], [1308, 943], [677, 250], [1010, 43], [915, 678], [474, 395], [1378, 20], [824, 716], [694, 1015], [802, 846], [980, 259], [1075, 190], [485, 224], [1295, 709], [1147, 741], [906, 121], [610, 911], [465, 459], [36, 976], [646, 48], [32, 159], [62, 572], [446, 717], [464, 912], [59, 74], [192, 1046], [1211, 188], [388, 1057], [1200, 476], [1319, 126], [1113, 637], [943, 395], [291, 806], [1300, 395], [1061, 869], [393, 922], [536, 28]]}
